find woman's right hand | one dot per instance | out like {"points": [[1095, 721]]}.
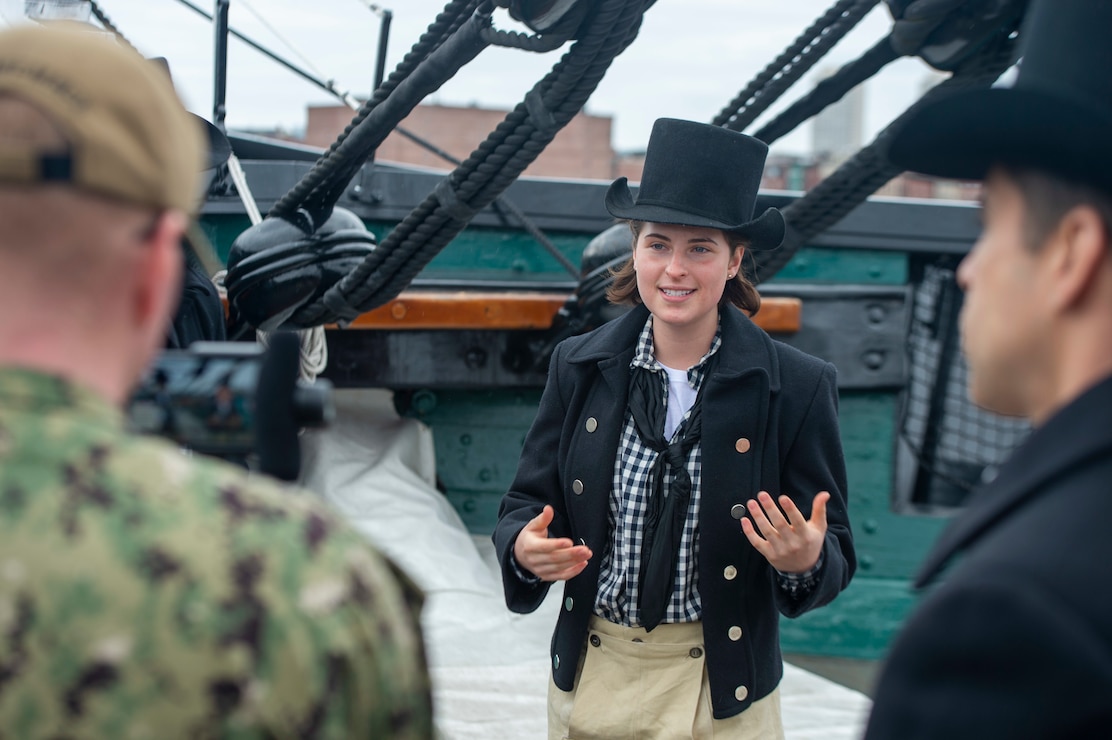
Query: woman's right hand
{"points": [[549, 559]]}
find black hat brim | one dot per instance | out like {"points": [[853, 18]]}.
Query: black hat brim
{"points": [[964, 135], [218, 147], [764, 232]]}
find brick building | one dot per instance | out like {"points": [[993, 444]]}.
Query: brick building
{"points": [[581, 150]]}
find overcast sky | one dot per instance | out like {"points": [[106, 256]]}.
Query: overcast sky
{"points": [[689, 60]]}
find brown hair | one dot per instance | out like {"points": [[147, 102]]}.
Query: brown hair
{"points": [[739, 291]]}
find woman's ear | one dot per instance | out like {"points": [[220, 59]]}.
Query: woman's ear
{"points": [[735, 261]]}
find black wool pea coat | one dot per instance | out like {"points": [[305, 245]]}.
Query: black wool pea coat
{"points": [[769, 423], [1016, 642]]}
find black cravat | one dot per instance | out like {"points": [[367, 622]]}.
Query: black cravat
{"points": [[665, 515]]}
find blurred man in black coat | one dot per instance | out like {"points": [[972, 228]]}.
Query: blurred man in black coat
{"points": [[200, 315], [1016, 640]]}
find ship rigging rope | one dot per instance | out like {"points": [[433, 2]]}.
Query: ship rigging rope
{"points": [[863, 174], [811, 45], [829, 91], [262, 19], [337, 166], [555, 99], [500, 204], [869, 169], [490, 169], [110, 26], [311, 200]]}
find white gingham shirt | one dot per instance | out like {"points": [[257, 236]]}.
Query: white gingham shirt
{"points": [[618, 596]]}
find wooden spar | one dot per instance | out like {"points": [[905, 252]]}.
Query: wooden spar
{"points": [[428, 309]]}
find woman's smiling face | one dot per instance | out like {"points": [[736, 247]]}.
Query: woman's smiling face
{"points": [[681, 273]]}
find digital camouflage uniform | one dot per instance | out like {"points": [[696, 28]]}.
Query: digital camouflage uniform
{"points": [[144, 593]]}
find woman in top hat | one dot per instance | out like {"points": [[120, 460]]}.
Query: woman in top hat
{"points": [[656, 434]]}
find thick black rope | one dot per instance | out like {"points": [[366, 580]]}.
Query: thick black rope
{"points": [[515, 40], [514, 143], [861, 176], [329, 168], [323, 185], [109, 25], [501, 203], [829, 91], [803, 53], [443, 63], [492, 167]]}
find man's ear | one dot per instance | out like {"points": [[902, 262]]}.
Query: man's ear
{"points": [[160, 271], [1079, 250]]}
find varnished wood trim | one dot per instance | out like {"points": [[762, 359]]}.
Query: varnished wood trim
{"points": [[426, 309]]}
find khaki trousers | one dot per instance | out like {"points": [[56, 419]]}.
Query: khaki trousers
{"points": [[649, 686]]}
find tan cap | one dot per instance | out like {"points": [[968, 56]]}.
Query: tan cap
{"points": [[129, 137]]}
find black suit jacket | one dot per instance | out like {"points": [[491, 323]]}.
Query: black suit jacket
{"points": [[1017, 642], [200, 314], [781, 401]]}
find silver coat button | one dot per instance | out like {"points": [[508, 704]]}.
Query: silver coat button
{"points": [[577, 486], [592, 424], [740, 693], [556, 662], [568, 603], [730, 573], [737, 511], [735, 633]]}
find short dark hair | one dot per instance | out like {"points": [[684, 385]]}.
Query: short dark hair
{"points": [[739, 291], [1047, 198]]}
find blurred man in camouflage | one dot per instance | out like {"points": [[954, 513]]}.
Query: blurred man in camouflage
{"points": [[143, 593]]}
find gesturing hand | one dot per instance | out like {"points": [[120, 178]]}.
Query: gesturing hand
{"points": [[790, 543], [549, 559]]}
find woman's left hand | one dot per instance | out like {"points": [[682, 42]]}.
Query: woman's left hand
{"points": [[790, 543]]}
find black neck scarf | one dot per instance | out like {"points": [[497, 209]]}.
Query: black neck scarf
{"points": [[666, 513]]}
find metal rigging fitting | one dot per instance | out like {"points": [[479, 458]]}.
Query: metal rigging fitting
{"points": [[276, 268], [944, 33], [559, 17]]}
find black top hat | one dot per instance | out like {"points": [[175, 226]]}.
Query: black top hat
{"points": [[1057, 117], [697, 174], [219, 148]]}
